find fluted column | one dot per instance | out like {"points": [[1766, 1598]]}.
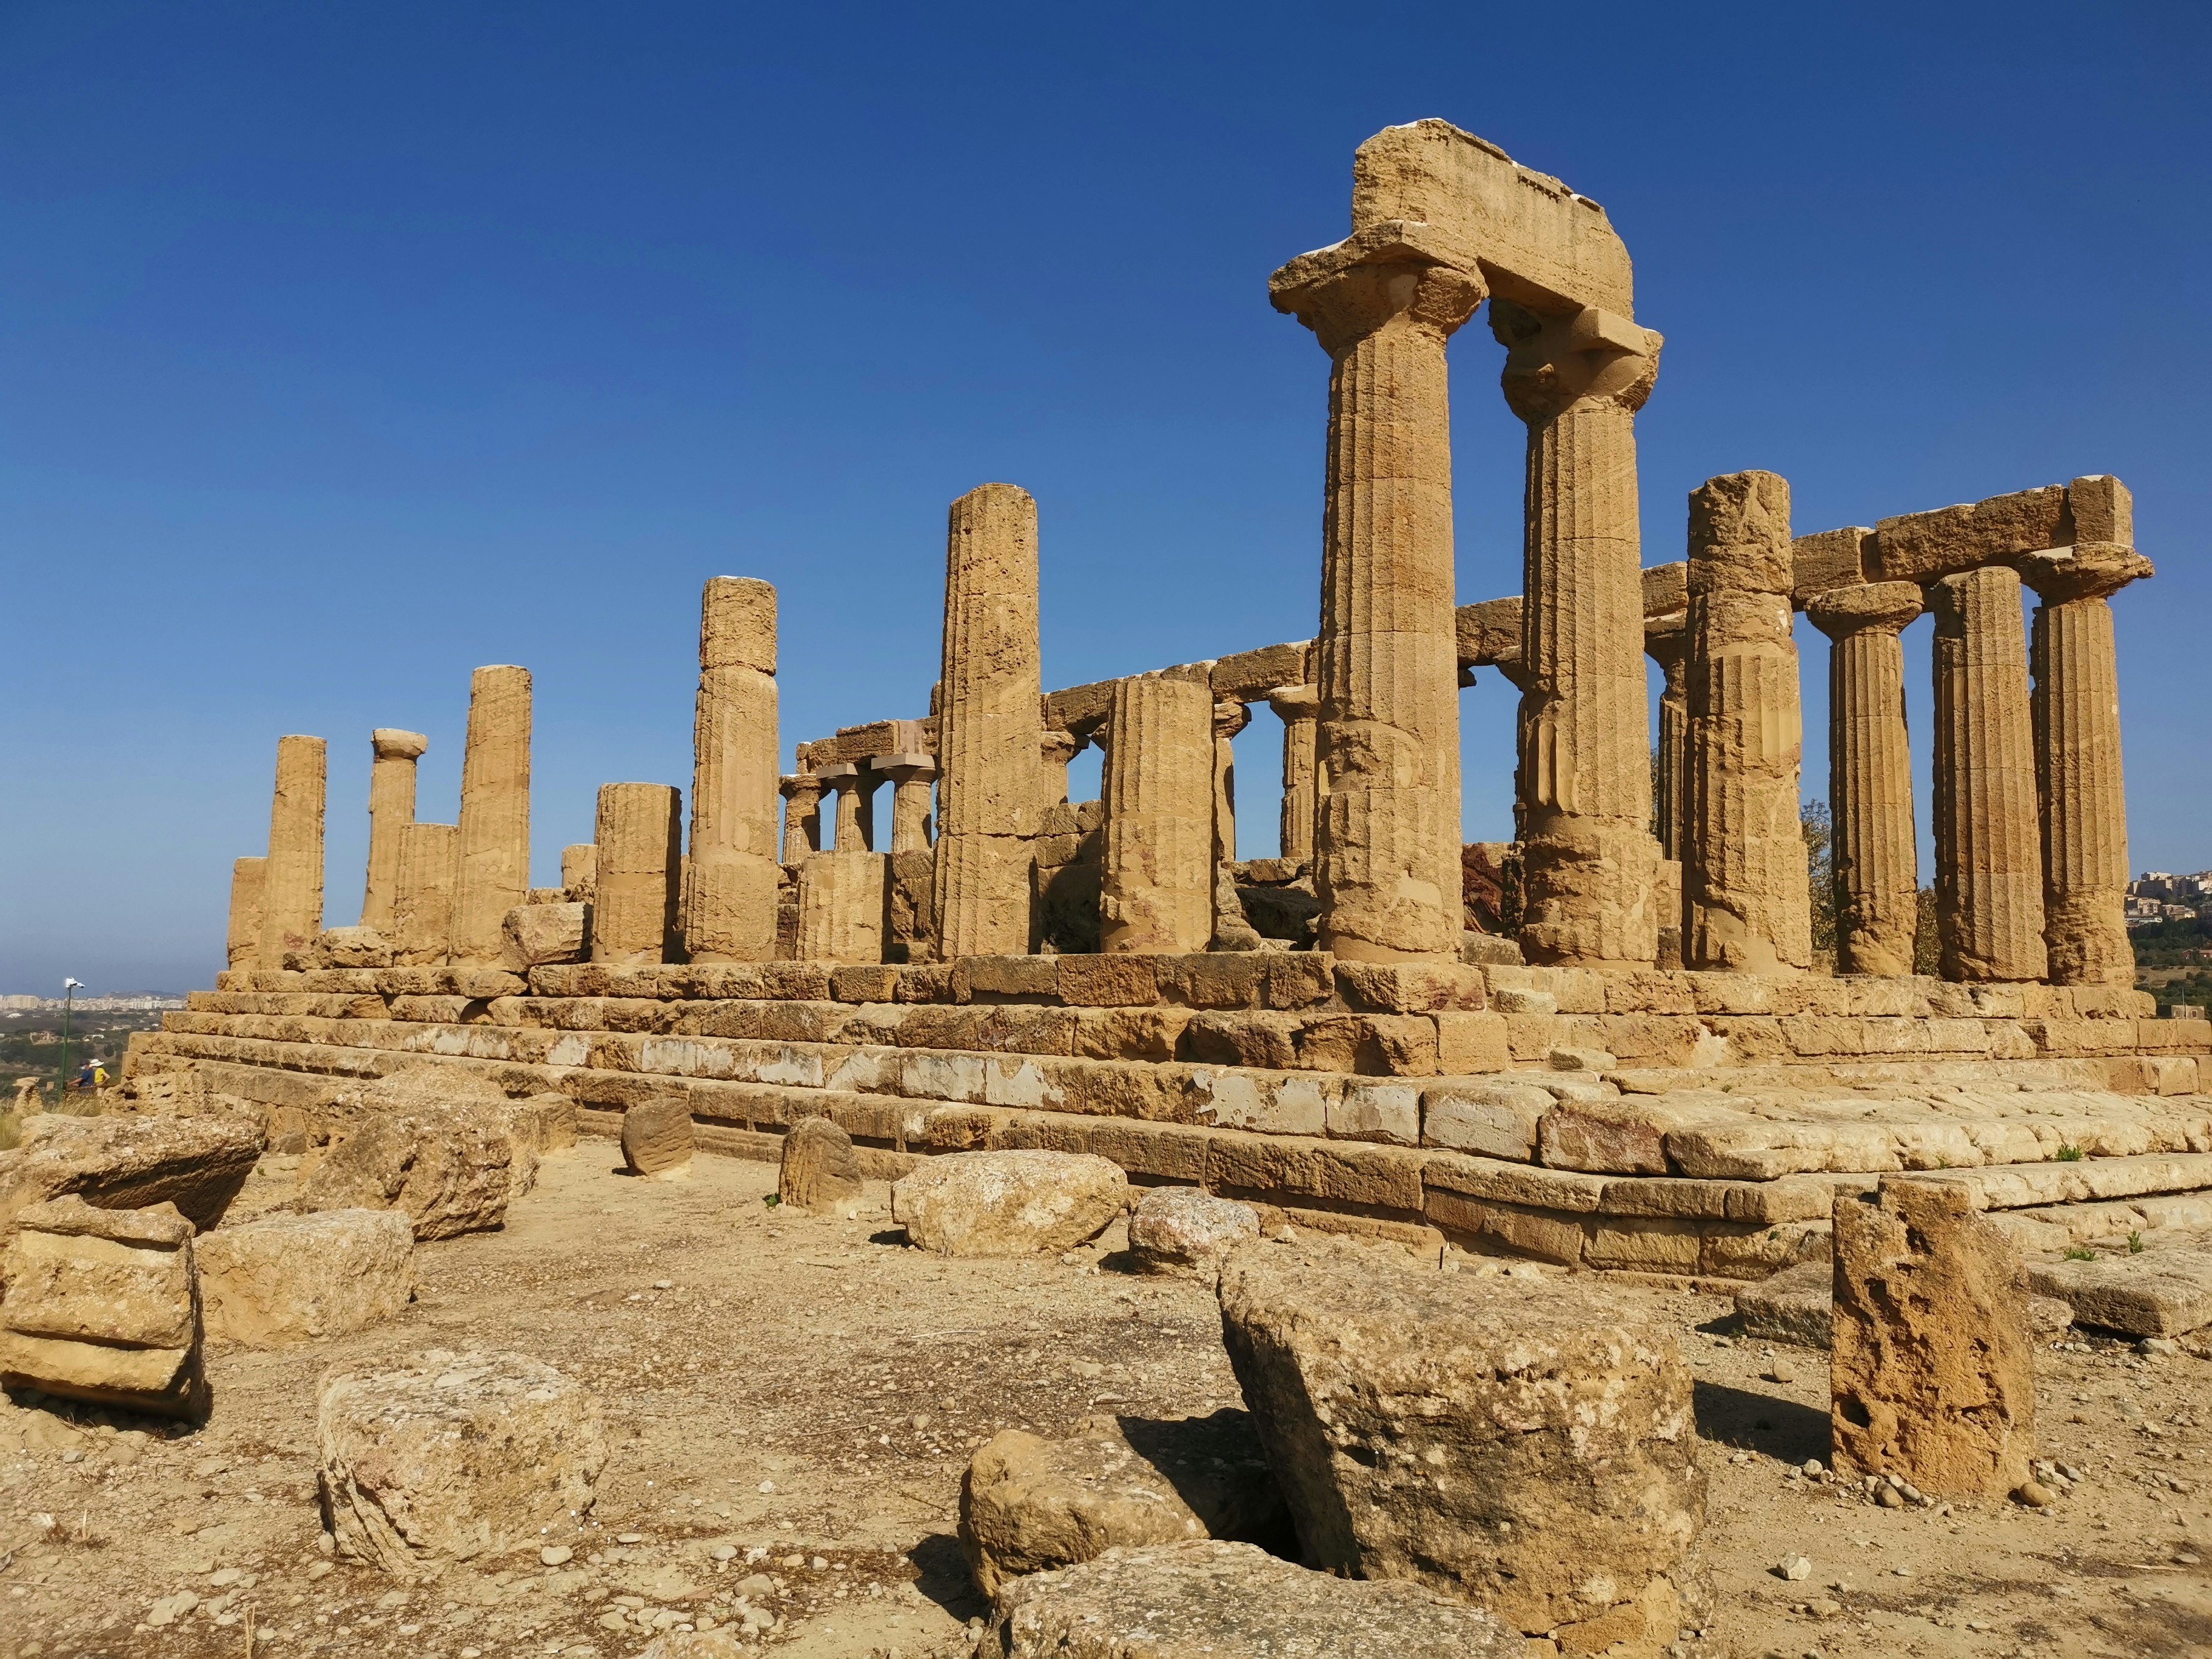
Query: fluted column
{"points": [[1668, 644], [1745, 902], [1387, 834], [292, 880], [844, 779], [988, 726], [1298, 707], [2077, 761], [242, 942], [911, 777], [639, 837], [422, 893], [842, 899], [1589, 858], [1988, 854], [390, 809], [802, 814], [1877, 856], [494, 840], [1157, 892], [730, 885]]}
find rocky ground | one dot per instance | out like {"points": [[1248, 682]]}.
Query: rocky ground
{"points": [[790, 1401]]}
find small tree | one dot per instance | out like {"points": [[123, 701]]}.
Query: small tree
{"points": [[1927, 944], [1818, 828]]}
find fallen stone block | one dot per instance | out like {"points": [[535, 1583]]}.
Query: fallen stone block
{"points": [[452, 1456], [656, 1139], [437, 1143], [1186, 1229], [535, 935], [101, 1305], [2165, 1291], [354, 947], [1521, 1445], [290, 1279], [1028, 1504], [1012, 1203], [1205, 1599], [131, 1162], [1933, 1374], [818, 1171]]}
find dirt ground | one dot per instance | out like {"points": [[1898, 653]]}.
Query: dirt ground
{"points": [[799, 1395]]}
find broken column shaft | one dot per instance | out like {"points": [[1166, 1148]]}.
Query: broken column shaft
{"points": [[1157, 892], [242, 943], [494, 872], [292, 880], [729, 897], [639, 837], [422, 893]]}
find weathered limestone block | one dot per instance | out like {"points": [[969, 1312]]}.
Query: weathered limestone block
{"points": [[1922, 547], [1504, 1440], [2165, 1291], [2078, 760], [990, 790], [843, 900], [441, 1146], [729, 913], [1798, 1305], [101, 1304], [292, 881], [1870, 775], [1298, 707], [1029, 1505], [1495, 1120], [579, 872], [283, 1280], [451, 1457], [1747, 907], [1383, 304], [353, 947], [1934, 1367], [818, 1171], [1988, 856], [532, 935], [1156, 893], [242, 940], [657, 1139], [1186, 1229], [636, 873], [1587, 851], [422, 901], [492, 857], [1012, 1203], [124, 1163], [390, 809]]}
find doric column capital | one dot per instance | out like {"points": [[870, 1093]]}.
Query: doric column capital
{"points": [[1397, 269], [1553, 363], [1229, 718], [800, 786], [840, 776], [1296, 702], [1058, 747], [390, 743], [1886, 606], [1666, 642], [903, 768], [2092, 570]]}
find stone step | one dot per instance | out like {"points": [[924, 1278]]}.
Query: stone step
{"points": [[2164, 1291]]}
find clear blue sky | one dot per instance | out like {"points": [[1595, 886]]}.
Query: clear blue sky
{"points": [[344, 349]]}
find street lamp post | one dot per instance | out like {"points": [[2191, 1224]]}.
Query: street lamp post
{"points": [[70, 988]]}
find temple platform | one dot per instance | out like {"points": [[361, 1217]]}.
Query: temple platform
{"points": [[1693, 1125]]}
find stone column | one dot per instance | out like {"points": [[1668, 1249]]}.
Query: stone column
{"points": [[911, 776], [423, 894], [729, 892], [242, 943], [1589, 856], [1228, 719], [802, 814], [1298, 707], [1387, 836], [988, 745], [1988, 856], [1668, 644], [844, 778], [2077, 761], [1870, 775], [840, 907], [292, 880], [1055, 751], [579, 872], [640, 836], [1745, 902], [494, 840], [391, 807], [1158, 884]]}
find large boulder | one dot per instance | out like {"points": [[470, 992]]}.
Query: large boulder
{"points": [[1018, 1203], [1186, 1229], [129, 1162], [1932, 1377], [290, 1279], [657, 1139], [101, 1305], [1028, 1504], [1523, 1444], [1205, 1599], [451, 1457], [443, 1144], [818, 1171]]}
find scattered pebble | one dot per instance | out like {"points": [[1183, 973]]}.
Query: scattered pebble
{"points": [[1795, 1568], [554, 1555]]}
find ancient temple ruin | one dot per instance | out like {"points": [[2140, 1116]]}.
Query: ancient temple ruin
{"points": [[1652, 1074]]}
